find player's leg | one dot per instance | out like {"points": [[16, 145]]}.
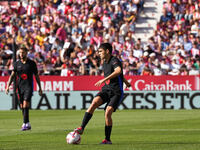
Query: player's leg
{"points": [[108, 125], [97, 101], [112, 106], [26, 104], [20, 96], [108, 122], [26, 111], [26, 124], [21, 107]]}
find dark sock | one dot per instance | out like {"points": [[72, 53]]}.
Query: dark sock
{"points": [[86, 119], [23, 112], [26, 115], [108, 130]]}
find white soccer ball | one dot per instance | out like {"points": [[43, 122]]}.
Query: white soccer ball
{"points": [[73, 138]]}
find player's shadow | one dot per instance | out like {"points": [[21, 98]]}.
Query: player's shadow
{"points": [[156, 142], [146, 143]]}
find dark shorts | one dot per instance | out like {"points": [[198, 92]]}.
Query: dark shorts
{"points": [[25, 95], [110, 98]]}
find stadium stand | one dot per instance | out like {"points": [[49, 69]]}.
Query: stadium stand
{"points": [[63, 36]]}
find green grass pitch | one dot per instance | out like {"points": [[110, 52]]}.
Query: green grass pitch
{"points": [[132, 130]]}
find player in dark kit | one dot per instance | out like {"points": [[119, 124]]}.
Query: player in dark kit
{"points": [[111, 93], [24, 68]]}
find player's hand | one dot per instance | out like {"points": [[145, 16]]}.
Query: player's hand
{"points": [[99, 82], [40, 92], [7, 90]]}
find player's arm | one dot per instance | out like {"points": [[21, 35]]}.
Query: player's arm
{"points": [[38, 82], [10, 80], [126, 82], [116, 73]]}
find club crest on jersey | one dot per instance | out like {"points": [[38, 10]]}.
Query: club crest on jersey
{"points": [[108, 81], [24, 76]]}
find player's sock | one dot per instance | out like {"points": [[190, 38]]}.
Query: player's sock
{"points": [[86, 119], [108, 130], [22, 111], [26, 115]]}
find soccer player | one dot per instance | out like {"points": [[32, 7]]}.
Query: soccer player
{"points": [[24, 68], [111, 93]]}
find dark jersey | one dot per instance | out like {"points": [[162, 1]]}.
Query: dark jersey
{"points": [[25, 74], [115, 84]]}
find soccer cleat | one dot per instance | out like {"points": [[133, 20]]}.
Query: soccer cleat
{"points": [[23, 125], [28, 126], [79, 130], [24, 128], [106, 142]]}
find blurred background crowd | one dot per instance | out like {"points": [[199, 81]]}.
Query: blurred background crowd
{"points": [[63, 36]]}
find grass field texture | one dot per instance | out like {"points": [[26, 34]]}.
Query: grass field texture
{"points": [[132, 130]]}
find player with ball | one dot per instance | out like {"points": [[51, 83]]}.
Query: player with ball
{"points": [[111, 93]]}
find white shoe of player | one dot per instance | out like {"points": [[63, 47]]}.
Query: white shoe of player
{"points": [[23, 125], [28, 126]]}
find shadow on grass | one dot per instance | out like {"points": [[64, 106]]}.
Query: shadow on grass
{"points": [[146, 143]]}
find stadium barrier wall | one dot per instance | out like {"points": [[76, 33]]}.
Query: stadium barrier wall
{"points": [[147, 92]]}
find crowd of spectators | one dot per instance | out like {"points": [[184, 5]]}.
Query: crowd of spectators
{"points": [[63, 36], [174, 48]]}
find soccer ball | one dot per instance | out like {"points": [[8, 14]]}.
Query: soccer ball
{"points": [[73, 138]]}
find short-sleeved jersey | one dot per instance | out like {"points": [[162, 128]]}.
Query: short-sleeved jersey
{"points": [[25, 73], [115, 84]]}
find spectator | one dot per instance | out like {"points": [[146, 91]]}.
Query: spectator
{"points": [[193, 71], [147, 70], [61, 33], [66, 29]]}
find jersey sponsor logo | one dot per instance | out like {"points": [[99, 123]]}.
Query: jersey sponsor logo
{"points": [[24, 76], [19, 67], [115, 62]]}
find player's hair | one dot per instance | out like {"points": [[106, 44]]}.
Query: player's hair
{"points": [[106, 46], [24, 49]]}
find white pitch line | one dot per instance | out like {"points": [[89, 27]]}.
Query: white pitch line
{"points": [[165, 130]]}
